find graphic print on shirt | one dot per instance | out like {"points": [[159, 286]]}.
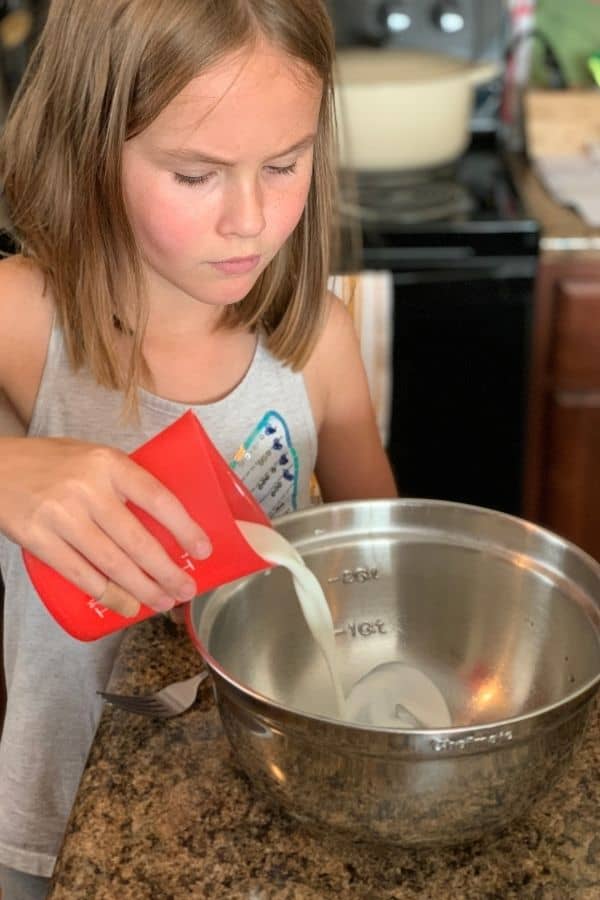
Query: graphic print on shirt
{"points": [[267, 463]]}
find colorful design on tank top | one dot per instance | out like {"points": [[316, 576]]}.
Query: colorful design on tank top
{"points": [[267, 463]]}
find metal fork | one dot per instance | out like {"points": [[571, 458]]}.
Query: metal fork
{"points": [[171, 701]]}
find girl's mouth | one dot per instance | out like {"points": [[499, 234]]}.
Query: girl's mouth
{"points": [[237, 265]]}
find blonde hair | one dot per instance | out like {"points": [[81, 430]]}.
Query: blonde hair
{"points": [[102, 71]]}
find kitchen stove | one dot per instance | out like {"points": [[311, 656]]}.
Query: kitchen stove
{"points": [[392, 199], [463, 256], [467, 28], [472, 203]]}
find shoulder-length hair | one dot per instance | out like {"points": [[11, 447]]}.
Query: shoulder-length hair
{"points": [[102, 71]]}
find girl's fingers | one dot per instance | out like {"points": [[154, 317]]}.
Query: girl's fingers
{"points": [[139, 486], [119, 601], [177, 615], [114, 562], [75, 568], [79, 500]]}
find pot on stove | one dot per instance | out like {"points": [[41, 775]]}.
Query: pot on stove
{"points": [[401, 109]]}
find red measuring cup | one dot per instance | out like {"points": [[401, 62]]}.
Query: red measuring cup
{"points": [[186, 461]]}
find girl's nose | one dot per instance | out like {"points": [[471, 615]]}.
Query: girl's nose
{"points": [[243, 209]]}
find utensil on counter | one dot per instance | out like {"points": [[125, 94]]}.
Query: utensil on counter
{"points": [[172, 700], [185, 460], [502, 616], [403, 109]]}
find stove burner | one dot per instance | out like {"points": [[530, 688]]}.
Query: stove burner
{"points": [[403, 198]]}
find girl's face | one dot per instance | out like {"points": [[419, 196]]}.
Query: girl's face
{"points": [[217, 183]]}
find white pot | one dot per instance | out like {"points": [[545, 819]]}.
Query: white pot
{"points": [[400, 109]]}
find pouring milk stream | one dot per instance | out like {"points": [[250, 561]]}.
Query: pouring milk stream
{"points": [[393, 694]]}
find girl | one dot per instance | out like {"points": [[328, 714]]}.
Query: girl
{"points": [[168, 165]]}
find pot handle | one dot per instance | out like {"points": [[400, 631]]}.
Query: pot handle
{"points": [[482, 72]]}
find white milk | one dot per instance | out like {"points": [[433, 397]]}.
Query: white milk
{"points": [[396, 695], [390, 695], [269, 544]]}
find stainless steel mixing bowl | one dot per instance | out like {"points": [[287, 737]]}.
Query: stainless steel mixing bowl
{"points": [[503, 616]]}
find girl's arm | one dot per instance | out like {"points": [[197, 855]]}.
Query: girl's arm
{"points": [[65, 500], [351, 461]]}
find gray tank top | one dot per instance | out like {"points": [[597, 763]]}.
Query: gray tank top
{"points": [[265, 429]]}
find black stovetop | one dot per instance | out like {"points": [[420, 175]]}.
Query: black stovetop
{"points": [[470, 208]]}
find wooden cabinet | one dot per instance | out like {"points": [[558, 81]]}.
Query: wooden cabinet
{"points": [[562, 485]]}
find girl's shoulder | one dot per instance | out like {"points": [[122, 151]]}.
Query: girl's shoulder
{"points": [[336, 356], [338, 335], [21, 281], [26, 313], [339, 392]]}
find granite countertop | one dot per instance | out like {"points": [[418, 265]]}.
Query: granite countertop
{"points": [[163, 813]]}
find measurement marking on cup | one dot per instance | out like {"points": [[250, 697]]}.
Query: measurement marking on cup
{"points": [[97, 607]]}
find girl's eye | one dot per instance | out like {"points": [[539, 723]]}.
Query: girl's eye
{"points": [[192, 180], [195, 180], [283, 170]]}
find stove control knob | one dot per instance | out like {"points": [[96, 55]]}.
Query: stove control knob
{"points": [[395, 17], [448, 17]]}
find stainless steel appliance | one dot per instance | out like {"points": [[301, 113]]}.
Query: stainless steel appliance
{"points": [[463, 254], [473, 29]]}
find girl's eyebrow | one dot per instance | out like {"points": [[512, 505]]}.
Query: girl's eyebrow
{"points": [[188, 155]]}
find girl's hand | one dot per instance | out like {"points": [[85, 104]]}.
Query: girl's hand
{"points": [[64, 501]]}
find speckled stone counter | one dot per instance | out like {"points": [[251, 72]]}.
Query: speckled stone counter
{"points": [[163, 812]]}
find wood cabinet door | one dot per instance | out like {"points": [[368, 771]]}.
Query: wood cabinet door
{"points": [[571, 493], [564, 386], [575, 348]]}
